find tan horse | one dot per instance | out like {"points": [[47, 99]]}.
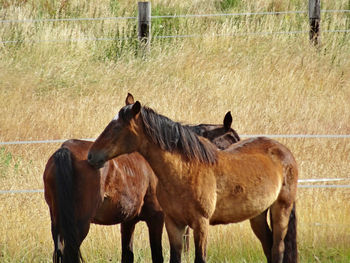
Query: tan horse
{"points": [[201, 185]]}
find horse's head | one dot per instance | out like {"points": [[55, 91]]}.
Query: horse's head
{"points": [[119, 137], [221, 135]]}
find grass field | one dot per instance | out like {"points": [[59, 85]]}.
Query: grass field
{"points": [[272, 84]]}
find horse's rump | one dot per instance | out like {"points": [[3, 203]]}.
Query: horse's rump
{"points": [[264, 145]]}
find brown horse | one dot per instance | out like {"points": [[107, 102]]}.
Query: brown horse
{"points": [[200, 185], [123, 191]]}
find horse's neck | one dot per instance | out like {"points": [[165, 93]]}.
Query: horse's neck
{"points": [[164, 163]]}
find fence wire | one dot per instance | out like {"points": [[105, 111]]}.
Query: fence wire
{"points": [[266, 33], [286, 136], [65, 19], [166, 16], [300, 181], [170, 36]]}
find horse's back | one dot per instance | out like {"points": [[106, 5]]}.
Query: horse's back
{"points": [[269, 147], [79, 148], [254, 163]]}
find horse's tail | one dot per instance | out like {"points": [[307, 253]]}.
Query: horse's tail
{"points": [[290, 240], [64, 176]]}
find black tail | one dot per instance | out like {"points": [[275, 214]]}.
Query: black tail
{"points": [[64, 188], [290, 241]]}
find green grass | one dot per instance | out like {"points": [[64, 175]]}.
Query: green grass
{"points": [[8, 164]]}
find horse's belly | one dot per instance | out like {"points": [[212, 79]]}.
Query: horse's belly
{"points": [[110, 213], [237, 205]]}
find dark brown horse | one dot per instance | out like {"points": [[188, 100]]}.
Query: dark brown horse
{"points": [[223, 136], [123, 191], [200, 185]]}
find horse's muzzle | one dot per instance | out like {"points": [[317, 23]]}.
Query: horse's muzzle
{"points": [[96, 160]]}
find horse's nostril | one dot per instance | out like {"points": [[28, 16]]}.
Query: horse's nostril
{"points": [[95, 160]]}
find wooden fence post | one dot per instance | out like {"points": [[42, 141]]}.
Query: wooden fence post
{"points": [[315, 20], [144, 26]]}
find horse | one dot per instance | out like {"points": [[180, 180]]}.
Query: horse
{"points": [[223, 136], [200, 185], [123, 191]]}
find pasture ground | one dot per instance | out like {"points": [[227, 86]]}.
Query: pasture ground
{"points": [[272, 84]]}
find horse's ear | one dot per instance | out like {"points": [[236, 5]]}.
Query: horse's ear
{"points": [[136, 108], [228, 120], [129, 99]]}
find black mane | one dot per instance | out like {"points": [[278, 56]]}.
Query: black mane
{"points": [[174, 137]]}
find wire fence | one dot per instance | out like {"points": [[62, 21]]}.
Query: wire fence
{"points": [[165, 16], [285, 136], [300, 181], [12, 21]]}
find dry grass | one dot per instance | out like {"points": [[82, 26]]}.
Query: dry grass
{"points": [[276, 84]]}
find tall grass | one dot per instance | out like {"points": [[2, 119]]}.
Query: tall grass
{"points": [[272, 84]]}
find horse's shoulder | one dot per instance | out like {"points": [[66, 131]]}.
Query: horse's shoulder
{"points": [[133, 164]]}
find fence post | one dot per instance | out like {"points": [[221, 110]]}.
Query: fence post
{"points": [[315, 19], [144, 26]]}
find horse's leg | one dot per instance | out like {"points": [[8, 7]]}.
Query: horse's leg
{"points": [[73, 254], [155, 229], [262, 231], [83, 229], [200, 233], [127, 231], [175, 234], [280, 213]]}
